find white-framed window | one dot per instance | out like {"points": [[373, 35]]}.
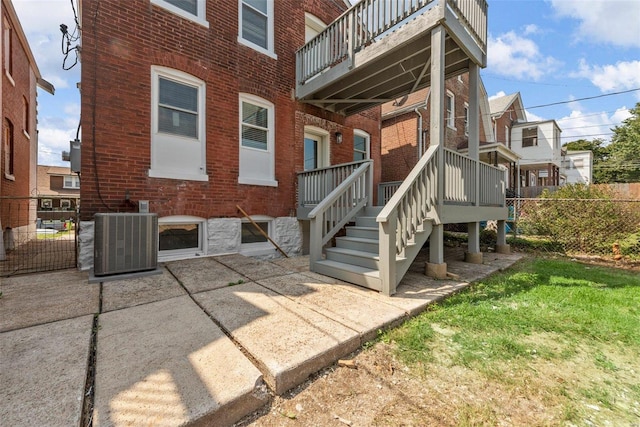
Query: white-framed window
{"points": [[361, 144], [178, 137], [530, 137], [466, 118], [450, 106], [252, 241], [8, 51], [507, 136], [65, 204], [26, 117], [71, 181], [181, 237], [257, 141], [46, 203], [256, 25], [194, 10]]}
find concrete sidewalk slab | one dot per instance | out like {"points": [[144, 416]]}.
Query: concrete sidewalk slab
{"points": [[252, 268], [42, 373], [121, 294], [287, 340], [42, 298], [293, 264], [357, 311], [203, 274], [167, 363]]}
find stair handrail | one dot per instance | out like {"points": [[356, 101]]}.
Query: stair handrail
{"points": [[402, 217], [339, 207]]}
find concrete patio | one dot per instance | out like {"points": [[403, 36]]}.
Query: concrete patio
{"points": [[205, 343]]}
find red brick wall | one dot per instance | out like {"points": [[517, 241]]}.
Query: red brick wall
{"points": [[16, 213], [133, 36], [400, 134]]}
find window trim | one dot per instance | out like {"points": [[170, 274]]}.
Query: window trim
{"points": [[367, 137], [270, 50], [324, 150], [9, 148], [175, 254], [535, 138], [7, 60], [260, 248], [271, 130], [155, 170], [74, 178], [200, 18], [26, 117], [466, 119], [450, 117]]}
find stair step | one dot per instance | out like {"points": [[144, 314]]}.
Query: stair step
{"points": [[357, 243], [372, 210], [354, 257], [364, 232], [362, 276], [366, 221]]}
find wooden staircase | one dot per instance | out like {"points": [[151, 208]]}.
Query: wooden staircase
{"points": [[355, 257]]}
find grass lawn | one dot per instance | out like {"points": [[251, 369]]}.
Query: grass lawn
{"points": [[547, 342]]}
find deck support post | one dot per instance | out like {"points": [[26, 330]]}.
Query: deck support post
{"points": [[473, 254], [501, 245], [436, 266]]}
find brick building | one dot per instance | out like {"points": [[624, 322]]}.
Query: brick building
{"points": [[58, 193], [18, 86], [190, 106], [406, 124]]}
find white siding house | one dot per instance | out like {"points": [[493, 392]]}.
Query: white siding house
{"points": [[577, 166], [538, 144]]}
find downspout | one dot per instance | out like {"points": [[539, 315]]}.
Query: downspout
{"points": [[420, 134]]}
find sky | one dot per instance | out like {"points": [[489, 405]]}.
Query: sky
{"points": [[551, 51]]}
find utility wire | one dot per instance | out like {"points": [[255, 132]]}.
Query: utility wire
{"points": [[582, 99]]}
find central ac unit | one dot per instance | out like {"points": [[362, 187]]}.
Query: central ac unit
{"points": [[125, 243]]}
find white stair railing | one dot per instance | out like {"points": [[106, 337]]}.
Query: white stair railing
{"points": [[316, 184], [339, 208], [413, 203]]}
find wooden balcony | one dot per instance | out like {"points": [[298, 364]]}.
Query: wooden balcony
{"points": [[380, 50]]}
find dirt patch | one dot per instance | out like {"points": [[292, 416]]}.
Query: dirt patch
{"points": [[382, 391]]}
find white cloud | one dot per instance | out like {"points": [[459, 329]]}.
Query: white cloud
{"points": [[519, 57], [604, 21], [531, 29], [533, 117], [609, 78], [583, 125], [54, 134], [500, 94]]}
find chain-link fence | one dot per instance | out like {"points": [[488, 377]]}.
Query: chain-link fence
{"points": [[38, 234], [606, 228]]}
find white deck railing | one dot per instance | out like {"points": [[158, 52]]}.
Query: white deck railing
{"points": [[492, 185], [459, 187], [368, 20], [459, 178], [315, 185], [339, 207]]}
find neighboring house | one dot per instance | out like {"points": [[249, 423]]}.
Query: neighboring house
{"points": [[194, 109], [538, 143], [18, 86], [58, 193], [577, 167], [406, 124]]}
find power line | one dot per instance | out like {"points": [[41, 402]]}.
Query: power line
{"points": [[583, 99]]}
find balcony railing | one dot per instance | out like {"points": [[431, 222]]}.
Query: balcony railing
{"points": [[316, 184], [368, 20]]}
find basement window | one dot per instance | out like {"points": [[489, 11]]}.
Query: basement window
{"points": [[253, 242], [181, 237]]}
